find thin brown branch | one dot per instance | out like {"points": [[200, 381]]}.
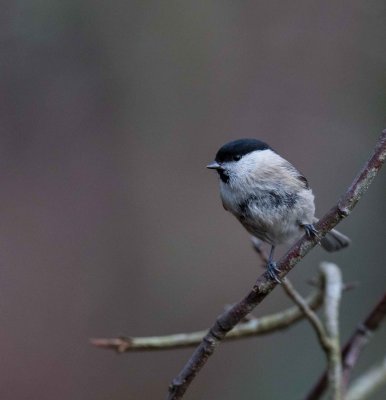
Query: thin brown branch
{"points": [[368, 383], [330, 345], [296, 297], [361, 337], [308, 312], [353, 347], [333, 289], [253, 327], [328, 338], [264, 285]]}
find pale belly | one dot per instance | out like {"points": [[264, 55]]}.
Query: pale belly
{"points": [[272, 230], [273, 217]]}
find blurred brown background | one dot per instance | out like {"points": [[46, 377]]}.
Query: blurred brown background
{"points": [[111, 225]]}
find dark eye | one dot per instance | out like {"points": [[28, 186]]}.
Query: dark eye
{"points": [[236, 157]]}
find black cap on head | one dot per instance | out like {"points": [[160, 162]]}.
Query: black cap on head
{"points": [[234, 150]]}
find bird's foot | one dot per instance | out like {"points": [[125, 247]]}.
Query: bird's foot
{"points": [[273, 271], [311, 232]]}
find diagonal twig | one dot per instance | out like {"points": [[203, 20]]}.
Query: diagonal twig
{"points": [[353, 347], [361, 337], [308, 312], [368, 383], [298, 299], [264, 285], [295, 296]]}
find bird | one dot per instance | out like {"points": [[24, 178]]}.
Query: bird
{"points": [[269, 196]]}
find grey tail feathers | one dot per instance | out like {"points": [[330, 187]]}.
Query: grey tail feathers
{"points": [[334, 241]]}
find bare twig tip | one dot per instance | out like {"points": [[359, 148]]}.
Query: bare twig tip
{"points": [[119, 344]]}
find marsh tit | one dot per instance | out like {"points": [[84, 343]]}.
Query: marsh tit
{"points": [[269, 196]]}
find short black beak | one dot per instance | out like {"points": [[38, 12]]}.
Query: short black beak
{"points": [[214, 165]]}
